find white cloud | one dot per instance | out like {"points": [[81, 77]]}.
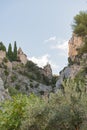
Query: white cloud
{"points": [[40, 61], [62, 46], [51, 39], [43, 60]]}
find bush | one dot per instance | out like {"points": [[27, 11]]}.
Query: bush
{"points": [[6, 72], [13, 78], [63, 111], [12, 91], [12, 113], [5, 60]]}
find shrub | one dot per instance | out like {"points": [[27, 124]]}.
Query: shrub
{"points": [[12, 91], [63, 111], [12, 113], [31, 85], [6, 72], [5, 60], [13, 78], [17, 87]]}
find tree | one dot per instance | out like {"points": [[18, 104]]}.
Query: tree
{"points": [[80, 24], [80, 28], [2, 47], [10, 53], [15, 52]]}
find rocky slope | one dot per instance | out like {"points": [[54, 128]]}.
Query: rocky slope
{"points": [[23, 76]]}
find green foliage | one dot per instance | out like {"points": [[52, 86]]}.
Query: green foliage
{"points": [[13, 78], [54, 80], [62, 111], [12, 113], [80, 28], [17, 87], [10, 53], [80, 24], [83, 49], [15, 52], [32, 66], [6, 72], [34, 73], [5, 59], [31, 85], [12, 91], [2, 47], [70, 62]]}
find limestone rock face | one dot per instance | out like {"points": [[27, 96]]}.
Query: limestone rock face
{"points": [[79, 61], [3, 93], [74, 44], [21, 56], [48, 71], [67, 72]]}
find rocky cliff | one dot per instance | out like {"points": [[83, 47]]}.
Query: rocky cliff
{"points": [[77, 64], [75, 43]]}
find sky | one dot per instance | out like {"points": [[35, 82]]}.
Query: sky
{"points": [[42, 28]]}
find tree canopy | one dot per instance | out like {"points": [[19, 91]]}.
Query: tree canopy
{"points": [[80, 29], [80, 24], [2, 47], [15, 52]]}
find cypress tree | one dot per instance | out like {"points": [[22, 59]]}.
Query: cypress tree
{"points": [[15, 52], [10, 53]]}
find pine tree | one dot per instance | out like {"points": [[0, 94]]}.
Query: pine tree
{"points": [[15, 52], [10, 53], [80, 24]]}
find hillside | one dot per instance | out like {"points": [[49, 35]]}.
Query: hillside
{"points": [[23, 76]]}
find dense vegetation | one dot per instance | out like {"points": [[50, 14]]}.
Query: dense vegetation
{"points": [[80, 24], [36, 74], [80, 28], [61, 111]]}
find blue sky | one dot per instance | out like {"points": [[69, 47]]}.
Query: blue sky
{"points": [[41, 28]]}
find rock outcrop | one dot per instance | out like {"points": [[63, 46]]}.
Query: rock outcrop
{"points": [[75, 43], [48, 71], [2, 55], [67, 72], [78, 62], [3, 93], [22, 57]]}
